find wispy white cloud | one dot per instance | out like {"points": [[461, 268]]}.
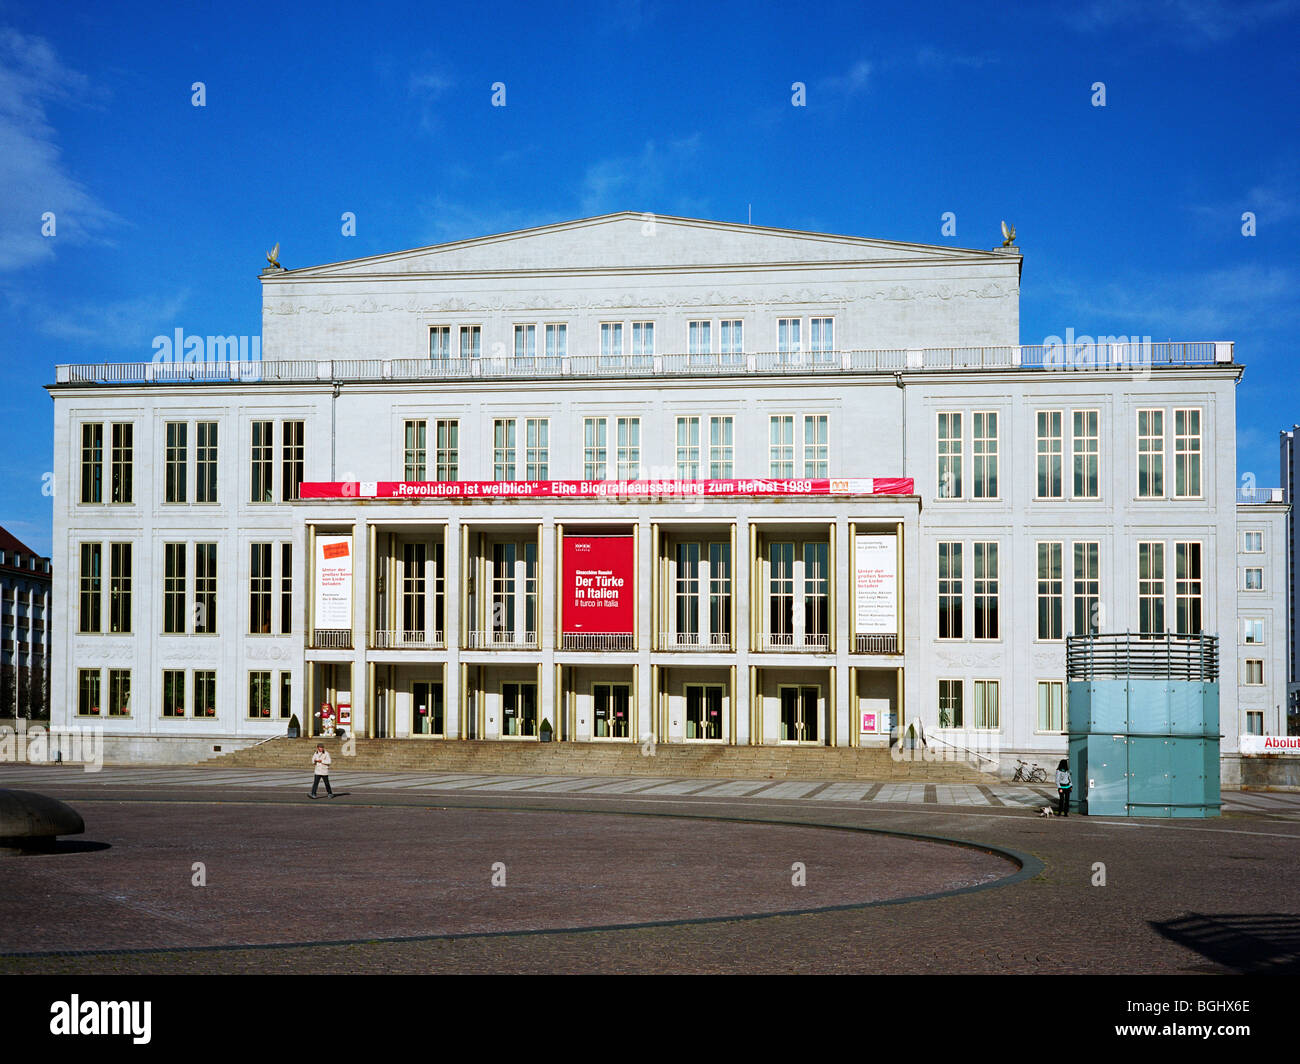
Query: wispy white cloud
{"points": [[651, 179], [853, 82], [33, 174], [426, 87], [127, 324], [1213, 305], [1193, 22]]}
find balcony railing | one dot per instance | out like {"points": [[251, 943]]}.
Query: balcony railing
{"points": [[404, 639], [711, 642], [875, 643], [1060, 357], [1123, 655], [809, 642], [598, 641], [479, 640], [331, 639]]}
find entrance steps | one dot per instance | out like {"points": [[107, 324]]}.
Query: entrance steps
{"points": [[507, 758]]}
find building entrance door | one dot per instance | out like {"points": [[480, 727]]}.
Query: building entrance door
{"points": [[799, 715], [613, 703], [703, 711], [519, 710], [426, 709]]}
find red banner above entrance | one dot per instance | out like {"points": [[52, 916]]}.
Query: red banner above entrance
{"points": [[602, 489]]}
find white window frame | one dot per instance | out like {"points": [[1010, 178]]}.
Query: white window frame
{"points": [[1039, 728], [1189, 450], [1246, 548], [1156, 454], [945, 452], [1245, 672], [1085, 448], [984, 454], [1245, 577], [1049, 451]]}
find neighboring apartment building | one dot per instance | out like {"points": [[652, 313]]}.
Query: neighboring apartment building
{"points": [[1262, 601], [857, 500], [1290, 472], [24, 630]]}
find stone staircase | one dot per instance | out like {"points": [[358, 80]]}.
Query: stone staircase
{"points": [[605, 759]]}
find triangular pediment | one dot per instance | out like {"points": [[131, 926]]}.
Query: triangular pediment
{"points": [[632, 240]]}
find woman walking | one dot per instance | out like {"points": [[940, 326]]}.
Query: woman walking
{"points": [[1063, 785], [321, 761]]}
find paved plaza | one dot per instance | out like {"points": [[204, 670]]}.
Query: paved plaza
{"points": [[408, 872]]}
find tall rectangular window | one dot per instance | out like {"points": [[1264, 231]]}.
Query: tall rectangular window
{"points": [[787, 335], [816, 446], [720, 593], [1049, 454], [1087, 588], [525, 341], [286, 588], [986, 590], [950, 704], [1253, 542], [1187, 588], [123, 462], [440, 341], [984, 454], [119, 587], [1252, 630], [629, 448], [688, 448], [594, 449], [816, 594], [732, 338], [175, 461], [88, 700], [1254, 677], [119, 692], [263, 457], [1051, 701], [1254, 578], [92, 463], [557, 340], [643, 338], [205, 693], [259, 695], [987, 710], [821, 335], [503, 449], [538, 431], [414, 451], [205, 587], [949, 453], [259, 589], [699, 338], [205, 462], [173, 588], [286, 692], [1187, 453], [1050, 590], [781, 445], [781, 594], [503, 592], [448, 450], [92, 585], [687, 597], [611, 340], [414, 559], [291, 454], [173, 693], [950, 591], [1151, 588], [1151, 454], [471, 341], [721, 448], [1086, 453]]}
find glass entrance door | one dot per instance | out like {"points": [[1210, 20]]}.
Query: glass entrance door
{"points": [[519, 710], [613, 706], [799, 716], [426, 709], [703, 711]]}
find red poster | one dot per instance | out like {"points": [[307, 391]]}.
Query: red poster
{"points": [[619, 490], [599, 584]]}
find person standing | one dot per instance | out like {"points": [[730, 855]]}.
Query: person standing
{"points": [[321, 761], [1063, 786]]}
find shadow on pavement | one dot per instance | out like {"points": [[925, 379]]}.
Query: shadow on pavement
{"points": [[1267, 943]]}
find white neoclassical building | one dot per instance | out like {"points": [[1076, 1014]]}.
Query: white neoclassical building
{"points": [[636, 476]]}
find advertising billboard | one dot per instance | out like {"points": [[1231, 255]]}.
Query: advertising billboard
{"points": [[875, 584], [599, 584], [333, 582]]}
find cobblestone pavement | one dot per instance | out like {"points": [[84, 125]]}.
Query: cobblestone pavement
{"points": [[410, 857]]}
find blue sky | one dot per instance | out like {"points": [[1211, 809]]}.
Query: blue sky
{"points": [[1129, 215]]}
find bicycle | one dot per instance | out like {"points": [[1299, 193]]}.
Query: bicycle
{"points": [[1032, 775]]}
